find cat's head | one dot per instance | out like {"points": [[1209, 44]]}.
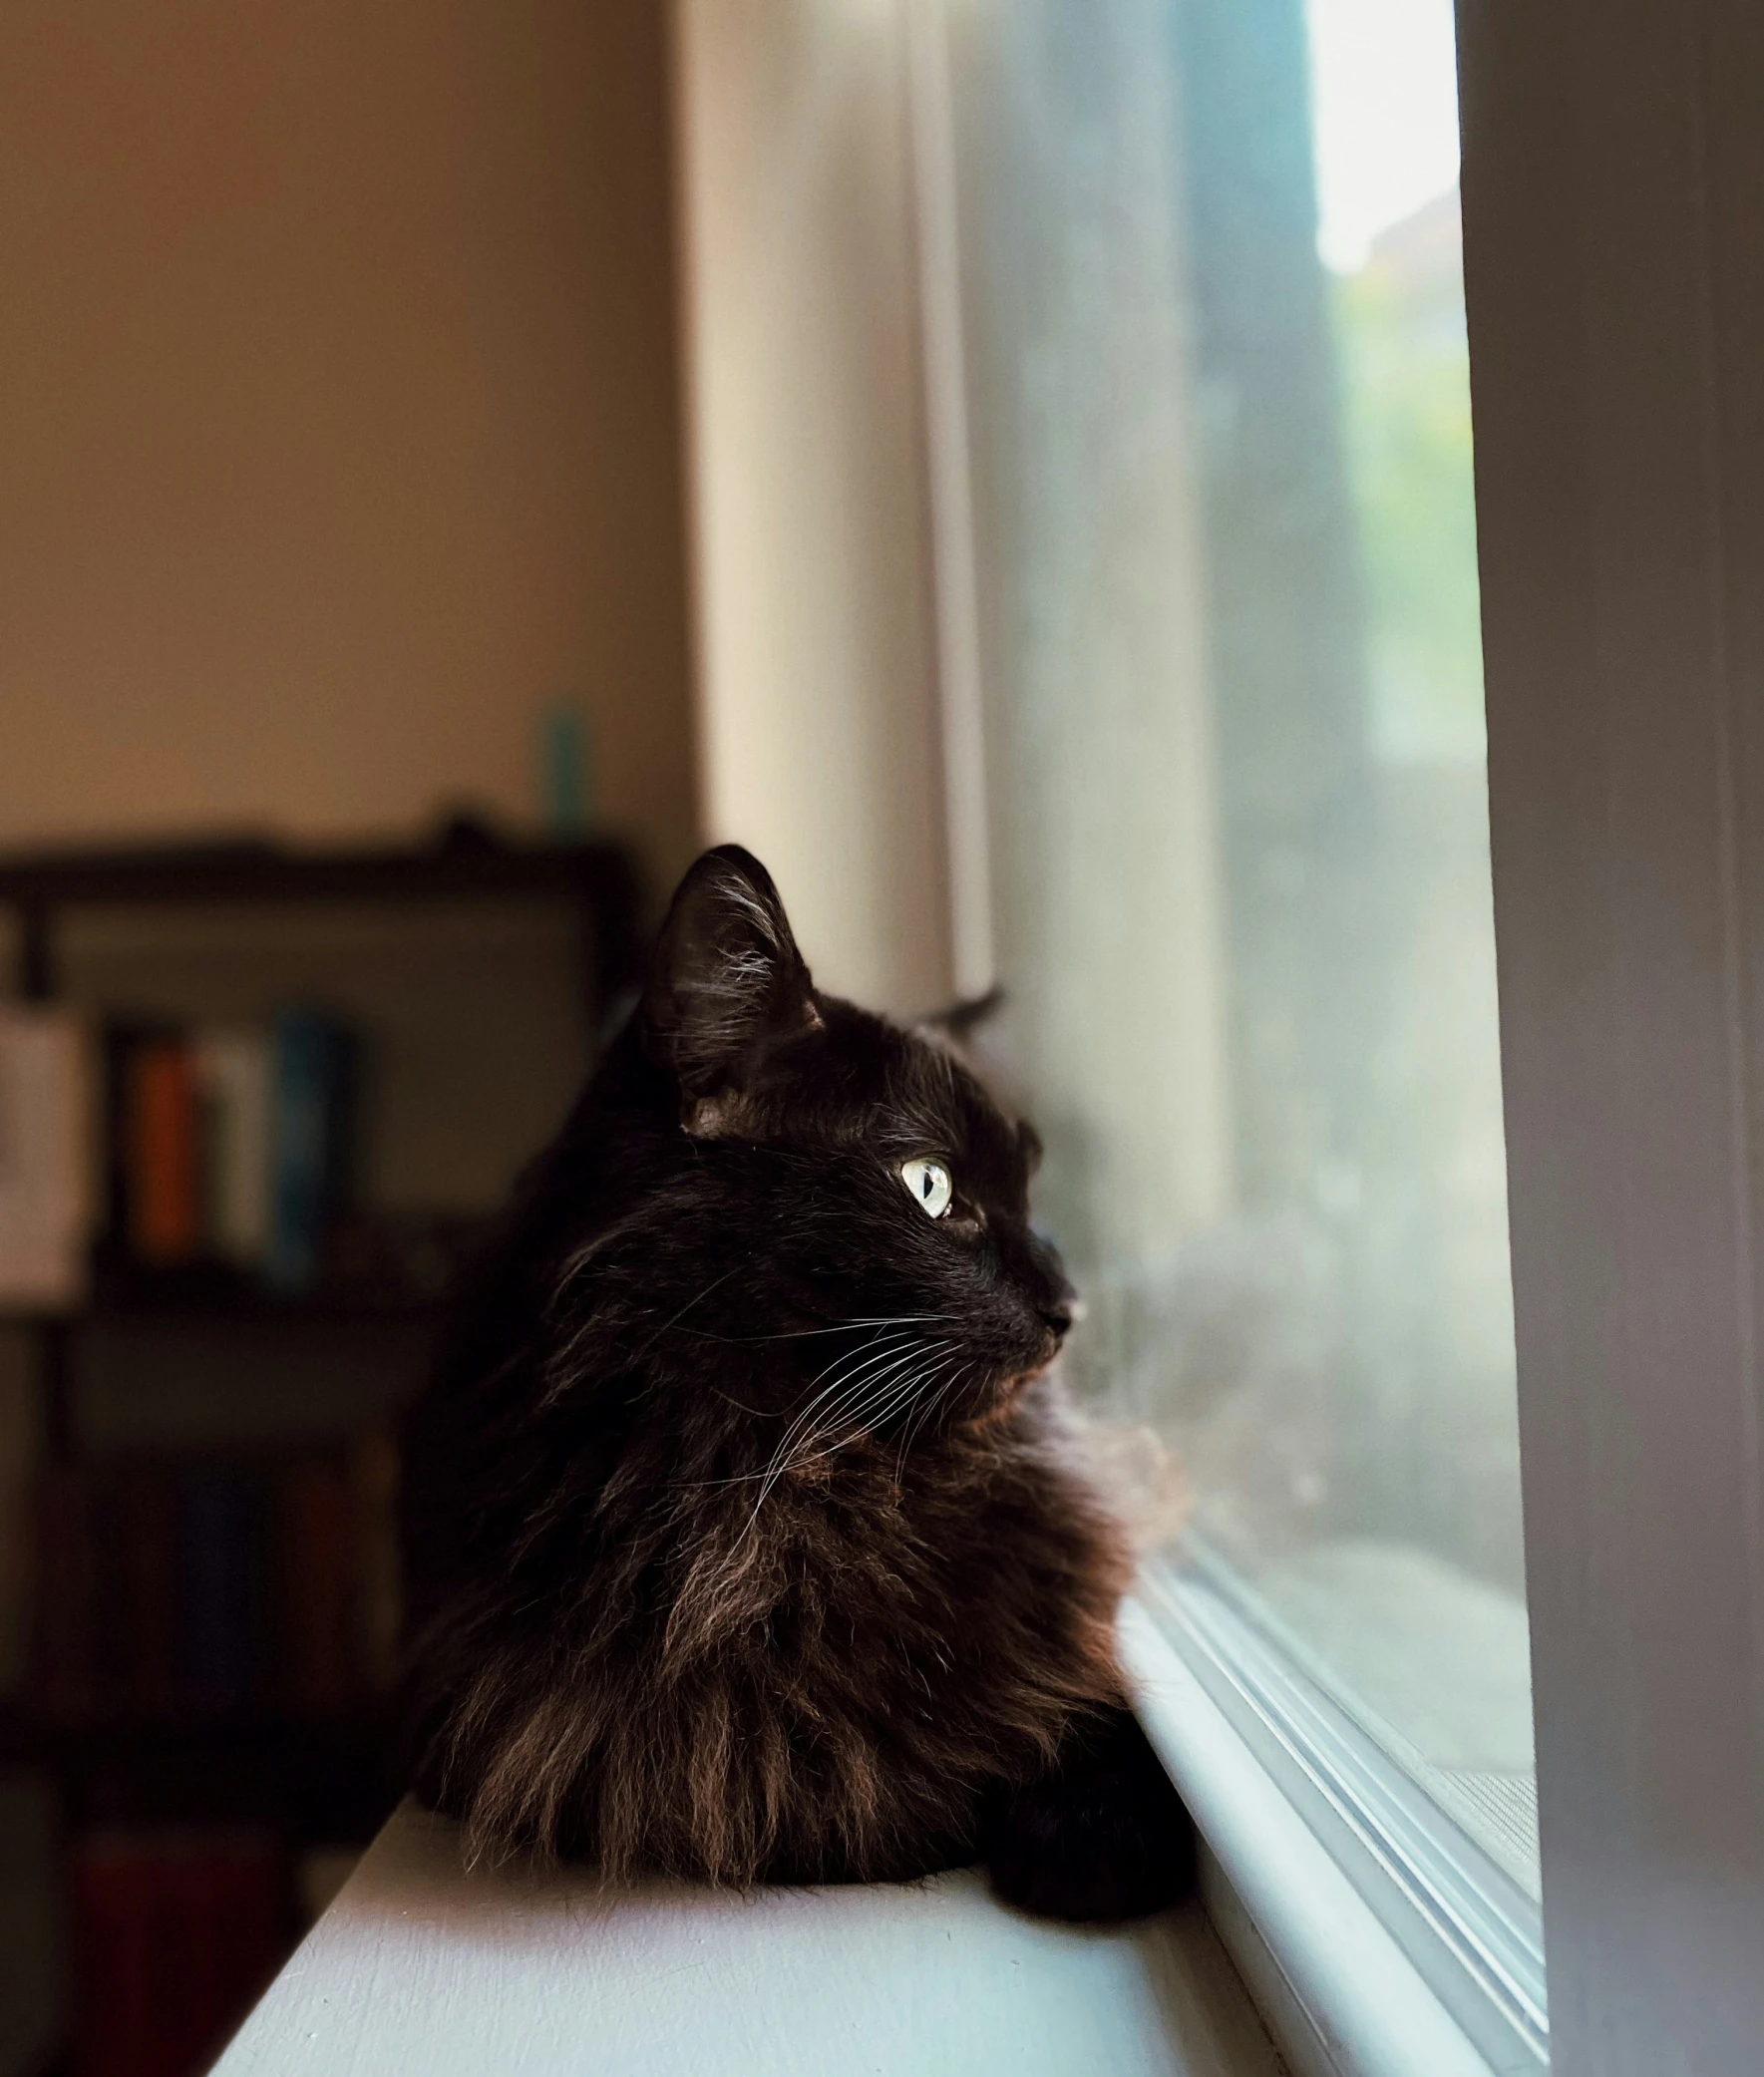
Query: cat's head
{"points": [[869, 1194]]}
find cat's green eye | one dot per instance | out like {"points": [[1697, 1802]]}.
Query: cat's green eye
{"points": [[930, 1185]]}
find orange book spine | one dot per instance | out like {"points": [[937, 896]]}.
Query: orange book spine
{"points": [[165, 1200]]}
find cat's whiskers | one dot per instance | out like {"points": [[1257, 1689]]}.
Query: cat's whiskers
{"points": [[951, 1370], [873, 1408], [867, 1355], [870, 1393], [852, 1388], [761, 1412], [698, 1299], [886, 1397], [915, 1388], [893, 1319], [959, 1382], [880, 1396], [866, 1358], [859, 1389]]}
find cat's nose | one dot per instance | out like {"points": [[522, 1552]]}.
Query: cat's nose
{"points": [[1058, 1316]]}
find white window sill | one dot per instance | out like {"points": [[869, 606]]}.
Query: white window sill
{"points": [[423, 1967], [1338, 1993], [420, 1969]]}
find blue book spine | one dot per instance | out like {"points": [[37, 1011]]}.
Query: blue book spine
{"points": [[312, 1055], [218, 1631]]}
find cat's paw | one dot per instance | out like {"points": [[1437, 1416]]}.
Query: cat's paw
{"points": [[1102, 1839]]}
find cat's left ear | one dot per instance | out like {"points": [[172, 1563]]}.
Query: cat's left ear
{"points": [[725, 984]]}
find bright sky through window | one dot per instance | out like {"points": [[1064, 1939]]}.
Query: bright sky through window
{"points": [[1385, 90]]}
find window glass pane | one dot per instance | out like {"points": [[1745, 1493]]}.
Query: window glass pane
{"points": [[1219, 427]]}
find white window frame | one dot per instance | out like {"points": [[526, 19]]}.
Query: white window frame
{"points": [[1613, 229], [1614, 217]]}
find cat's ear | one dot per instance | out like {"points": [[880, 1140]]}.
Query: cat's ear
{"points": [[726, 983]]}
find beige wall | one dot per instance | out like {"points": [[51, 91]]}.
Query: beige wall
{"points": [[337, 414], [815, 597]]}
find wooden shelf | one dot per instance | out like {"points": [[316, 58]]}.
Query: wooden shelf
{"points": [[260, 871], [27, 1737], [311, 1778], [250, 1308], [465, 862]]}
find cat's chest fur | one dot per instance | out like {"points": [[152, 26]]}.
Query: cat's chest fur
{"points": [[819, 1682], [865, 1646], [970, 1594]]}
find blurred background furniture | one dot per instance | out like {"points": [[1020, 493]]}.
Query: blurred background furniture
{"points": [[200, 1627]]}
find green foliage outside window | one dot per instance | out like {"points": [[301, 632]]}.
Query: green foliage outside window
{"points": [[1406, 381]]}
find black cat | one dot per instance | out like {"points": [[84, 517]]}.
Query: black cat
{"points": [[742, 1536]]}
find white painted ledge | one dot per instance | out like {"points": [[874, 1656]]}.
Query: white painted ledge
{"points": [[421, 1969]]}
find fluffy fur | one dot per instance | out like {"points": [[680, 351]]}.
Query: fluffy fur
{"points": [[743, 1539]]}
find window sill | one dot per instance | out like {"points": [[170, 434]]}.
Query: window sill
{"points": [[1341, 1996], [420, 1968]]}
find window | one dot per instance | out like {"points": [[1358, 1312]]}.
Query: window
{"points": [[1218, 397]]}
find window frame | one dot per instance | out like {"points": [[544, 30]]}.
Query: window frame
{"points": [[1615, 279]]}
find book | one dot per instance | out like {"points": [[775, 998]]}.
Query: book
{"points": [[221, 1598], [114, 1926], [146, 1594], [162, 1153], [175, 1931], [164, 1593], [45, 1159], [233, 1071], [311, 1109], [119, 1040], [229, 1146], [318, 1582]]}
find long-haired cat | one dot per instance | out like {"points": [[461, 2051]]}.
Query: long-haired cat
{"points": [[743, 1539]]}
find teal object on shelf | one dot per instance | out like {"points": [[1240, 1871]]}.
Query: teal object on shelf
{"points": [[568, 773]]}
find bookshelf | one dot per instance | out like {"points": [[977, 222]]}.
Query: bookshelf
{"points": [[477, 978]]}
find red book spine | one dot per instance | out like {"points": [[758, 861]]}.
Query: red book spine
{"points": [[194, 2000], [175, 1932], [117, 1961], [318, 1589]]}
